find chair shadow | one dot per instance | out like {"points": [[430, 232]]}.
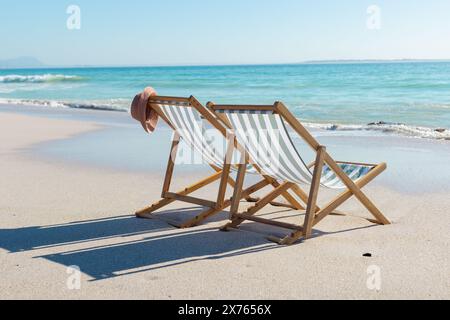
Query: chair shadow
{"points": [[152, 253], [283, 214], [128, 256], [181, 215], [43, 237]]}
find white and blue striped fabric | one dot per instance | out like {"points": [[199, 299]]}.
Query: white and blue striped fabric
{"points": [[267, 140], [193, 130]]}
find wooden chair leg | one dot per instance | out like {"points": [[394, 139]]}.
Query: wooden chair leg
{"points": [[238, 190], [202, 217], [237, 195], [250, 199], [303, 195], [315, 185], [232, 184], [225, 173], [312, 200], [356, 190], [286, 195], [330, 208], [146, 212], [259, 205], [171, 163], [212, 211], [339, 200]]}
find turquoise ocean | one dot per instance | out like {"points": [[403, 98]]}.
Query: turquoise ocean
{"points": [[408, 98]]}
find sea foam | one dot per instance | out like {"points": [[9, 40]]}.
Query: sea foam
{"points": [[110, 105], [394, 128], [42, 78], [122, 105]]}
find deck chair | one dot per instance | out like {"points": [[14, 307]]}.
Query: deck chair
{"points": [[189, 118], [263, 132]]}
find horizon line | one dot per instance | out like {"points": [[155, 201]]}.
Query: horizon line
{"points": [[327, 61]]}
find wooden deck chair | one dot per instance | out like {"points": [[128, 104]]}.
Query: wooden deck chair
{"points": [[189, 118], [262, 131]]}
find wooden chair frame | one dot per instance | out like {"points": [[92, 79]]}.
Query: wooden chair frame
{"points": [[222, 175], [313, 213]]}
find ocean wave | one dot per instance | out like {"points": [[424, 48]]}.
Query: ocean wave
{"points": [[122, 105], [42, 78], [440, 106], [385, 127], [110, 105]]}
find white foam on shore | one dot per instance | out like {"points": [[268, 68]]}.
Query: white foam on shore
{"points": [[14, 78], [122, 105], [394, 128], [109, 105]]}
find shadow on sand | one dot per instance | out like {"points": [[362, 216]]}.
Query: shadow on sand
{"points": [[126, 256], [169, 247]]}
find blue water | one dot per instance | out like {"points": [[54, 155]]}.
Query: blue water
{"points": [[413, 94]]}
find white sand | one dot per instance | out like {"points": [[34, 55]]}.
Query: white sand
{"points": [[54, 215]]}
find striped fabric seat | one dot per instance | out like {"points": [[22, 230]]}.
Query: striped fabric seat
{"points": [[210, 144], [266, 138], [355, 172]]}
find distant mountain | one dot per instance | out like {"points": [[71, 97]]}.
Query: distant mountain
{"points": [[21, 62]]}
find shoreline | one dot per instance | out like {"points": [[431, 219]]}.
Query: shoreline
{"points": [[121, 141], [379, 127]]}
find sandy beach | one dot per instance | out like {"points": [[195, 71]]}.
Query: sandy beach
{"points": [[69, 190]]}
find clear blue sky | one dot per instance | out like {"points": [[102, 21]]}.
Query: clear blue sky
{"points": [[171, 32]]}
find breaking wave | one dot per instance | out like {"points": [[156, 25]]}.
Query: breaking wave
{"points": [[385, 127], [43, 78], [122, 105]]}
